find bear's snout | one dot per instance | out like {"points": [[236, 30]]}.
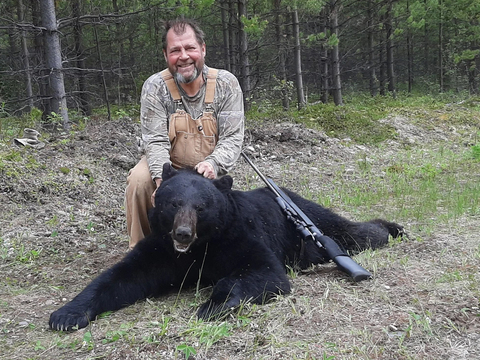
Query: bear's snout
{"points": [[184, 231]]}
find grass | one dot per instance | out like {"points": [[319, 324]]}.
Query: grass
{"points": [[358, 118], [423, 302], [437, 184]]}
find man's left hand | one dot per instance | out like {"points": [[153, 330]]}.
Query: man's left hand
{"points": [[206, 169]]}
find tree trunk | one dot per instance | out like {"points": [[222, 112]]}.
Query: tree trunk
{"points": [[440, 48], [324, 59], [102, 72], [243, 49], [13, 50], [389, 49], [80, 74], [53, 61], [477, 72], [233, 21], [410, 62], [119, 31], [38, 60], [409, 54], [372, 76], [336, 80], [26, 58], [298, 60], [226, 38], [426, 65], [381, 80], [281, 55]]}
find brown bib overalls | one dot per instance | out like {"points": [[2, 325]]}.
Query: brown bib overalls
{"points": [[191, 141]]}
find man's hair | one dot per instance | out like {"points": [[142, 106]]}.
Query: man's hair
{"points": [[179, 26]]}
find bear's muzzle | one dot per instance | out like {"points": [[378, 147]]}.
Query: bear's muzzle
{"points": [[184, 231]]}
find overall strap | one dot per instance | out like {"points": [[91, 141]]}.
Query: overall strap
{"points": [[209, 91], [171, 85], [211, 82]]}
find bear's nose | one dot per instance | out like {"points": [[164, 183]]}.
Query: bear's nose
{"points": [[183, 234]]}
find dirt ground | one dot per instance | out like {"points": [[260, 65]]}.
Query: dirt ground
{"points": [[62, 223]]}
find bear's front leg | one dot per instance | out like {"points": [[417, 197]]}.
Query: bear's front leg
{"points": [[256, 286], [77, 313], [146, 271]]}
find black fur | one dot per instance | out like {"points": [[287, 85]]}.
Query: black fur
{"points": [[238, 241]]}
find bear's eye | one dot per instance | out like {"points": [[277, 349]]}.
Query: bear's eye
{"points": [[200, 208], [176, 203]]}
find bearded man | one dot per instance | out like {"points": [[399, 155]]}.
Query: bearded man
{"points": [[191, 115]]}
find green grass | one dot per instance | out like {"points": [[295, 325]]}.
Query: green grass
{"points": [[426, 288], [358, 118], [435, 188], [431, 184]]}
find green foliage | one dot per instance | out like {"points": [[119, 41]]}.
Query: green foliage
{"points": [[311, 6], [359, 118], [466, 55], [115, 335], [88, 174], [187, 350], [476, 152], [35, 115], [209, 333], [88, 340], [27, 256], [64, 170], [333, 41], [312, 39], [342, 122], [254, 26], [117, 112], [54, 118], [13, 155]]}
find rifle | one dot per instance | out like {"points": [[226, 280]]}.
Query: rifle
{"points": [[309, 230]]}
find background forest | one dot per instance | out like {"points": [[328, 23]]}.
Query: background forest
{"points": [[88, 54]]}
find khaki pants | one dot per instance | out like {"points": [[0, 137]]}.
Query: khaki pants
{"points": [[138, 192]]}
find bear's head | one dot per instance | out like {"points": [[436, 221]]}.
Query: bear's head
{"points": [[189, 207]]}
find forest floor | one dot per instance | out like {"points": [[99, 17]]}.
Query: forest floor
{"points": [[62, 223]]}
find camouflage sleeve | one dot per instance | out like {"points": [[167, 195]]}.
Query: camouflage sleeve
{"points": [[230, 119], [153, 117]]}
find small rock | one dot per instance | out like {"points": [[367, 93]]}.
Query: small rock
{"points": [[392, 327]]}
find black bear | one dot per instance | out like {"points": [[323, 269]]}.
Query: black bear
{"points": [[203, 230]]}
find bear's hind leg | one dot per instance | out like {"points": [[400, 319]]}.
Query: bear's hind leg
{"points": [[371, 234]]}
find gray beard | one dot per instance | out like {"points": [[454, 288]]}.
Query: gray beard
{"points": [[181, 79]]}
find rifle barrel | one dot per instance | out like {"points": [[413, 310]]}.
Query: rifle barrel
{"points": [[309, 230], [259, 173]]}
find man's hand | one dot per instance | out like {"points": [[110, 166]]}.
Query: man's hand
{"points": [[206, 169], [158, 181]]}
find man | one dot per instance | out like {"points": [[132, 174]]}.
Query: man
{"points": [[191, 115]]}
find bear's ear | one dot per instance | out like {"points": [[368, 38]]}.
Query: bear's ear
{"points": [[168, 171], [224, 183]]}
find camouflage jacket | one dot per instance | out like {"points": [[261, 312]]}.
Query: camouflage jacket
{"points": [[157, 105]]}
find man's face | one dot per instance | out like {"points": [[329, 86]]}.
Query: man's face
{"points": [[185, 57]]}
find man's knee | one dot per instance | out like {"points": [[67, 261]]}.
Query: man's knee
{"points": [[139, 179]]}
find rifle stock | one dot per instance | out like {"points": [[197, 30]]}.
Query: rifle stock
{"points": [[309, 230]]}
